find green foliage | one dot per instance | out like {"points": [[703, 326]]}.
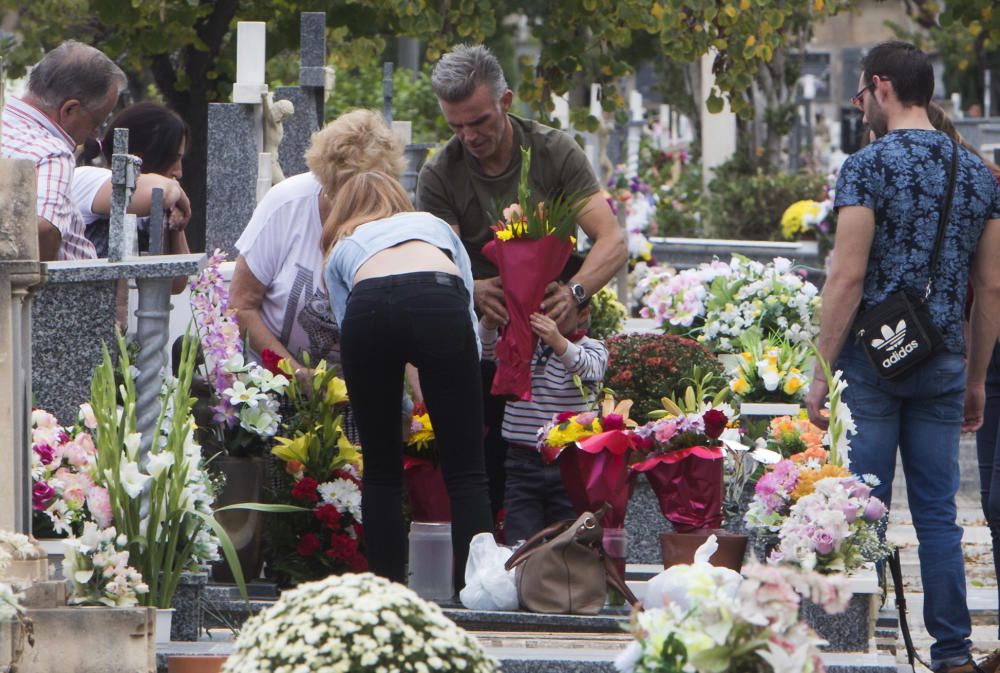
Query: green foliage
{"points": [[648, 367], [746, 201], [679, 211], [607, 314], [747, 34], [413, 98]]}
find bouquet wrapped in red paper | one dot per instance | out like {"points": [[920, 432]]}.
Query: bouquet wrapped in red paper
{"points": [[594, 449], [683, 460], [425, 489], [531, 245]]}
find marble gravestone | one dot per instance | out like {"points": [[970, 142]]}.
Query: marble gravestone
{"points": [[308, 97], [231, 188], [20, 271]]}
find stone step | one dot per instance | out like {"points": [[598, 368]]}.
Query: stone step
{"points": [[555, 653]]}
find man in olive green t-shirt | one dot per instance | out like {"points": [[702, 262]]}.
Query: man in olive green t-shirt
{"points": [[476, 175]]}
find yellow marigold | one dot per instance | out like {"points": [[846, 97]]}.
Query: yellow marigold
{"points": [[504, 234], [571, 431], [808, 479]]}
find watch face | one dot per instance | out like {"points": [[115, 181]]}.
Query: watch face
{"points": [[578, 291]]}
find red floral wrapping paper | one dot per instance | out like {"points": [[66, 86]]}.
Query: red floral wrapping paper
{"points": [[688, 485], [595, 471], [526, 267], [425, 489]]}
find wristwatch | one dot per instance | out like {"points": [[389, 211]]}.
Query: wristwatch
{"points": [[579, 293]]}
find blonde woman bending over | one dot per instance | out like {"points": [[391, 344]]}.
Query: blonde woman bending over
{"points": [[400, 285]]}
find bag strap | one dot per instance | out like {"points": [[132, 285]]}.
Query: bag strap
{"points": [[943, 221], [616, 581], [535, 541], [897, 582]]}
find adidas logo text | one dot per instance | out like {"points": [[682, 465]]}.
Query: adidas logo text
{"points": [[899, 355]]}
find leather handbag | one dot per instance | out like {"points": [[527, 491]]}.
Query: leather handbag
{"points": [[563, 569], [898, 334]]}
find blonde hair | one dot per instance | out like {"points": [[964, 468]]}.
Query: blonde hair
{"points": [[365, 197], [354, 142]]}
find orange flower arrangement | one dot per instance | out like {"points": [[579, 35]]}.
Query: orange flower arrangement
{"points": [[790, 436], [813, 453]]}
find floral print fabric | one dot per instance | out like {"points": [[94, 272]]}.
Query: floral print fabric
{"points": [[903, 178]]}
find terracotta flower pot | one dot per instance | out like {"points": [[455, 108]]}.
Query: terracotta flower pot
{"points": [[204, 663], [679, 548]]}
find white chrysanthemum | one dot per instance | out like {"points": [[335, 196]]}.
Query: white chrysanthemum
{"points": [[343, 494], [349, 622]]}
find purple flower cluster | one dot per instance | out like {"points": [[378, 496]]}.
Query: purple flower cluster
{"points": [[220, 333]]}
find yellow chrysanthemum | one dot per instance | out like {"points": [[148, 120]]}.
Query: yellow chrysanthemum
{"points": [[792, 221], [808, 479]]}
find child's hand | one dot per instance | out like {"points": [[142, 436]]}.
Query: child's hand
{"points": [[548, 331]]}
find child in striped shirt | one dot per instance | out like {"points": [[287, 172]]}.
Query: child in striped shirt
{"points": [[535, 496]]}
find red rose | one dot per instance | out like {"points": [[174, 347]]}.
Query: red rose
{"points": [[613, 422], [419, 409], [715, 423], [270, 361], [305, 489], [329, 516], [565, 416], [308, 545]]}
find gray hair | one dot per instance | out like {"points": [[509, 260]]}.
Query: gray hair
{"points": [[461, 71], [74, 70]]}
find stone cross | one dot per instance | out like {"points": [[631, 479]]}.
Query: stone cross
{"points": [[313, 73], [387, 92], [124, 174], [634, 134], [20, 270]]}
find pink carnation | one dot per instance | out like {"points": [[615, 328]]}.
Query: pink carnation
{"points": [[99, 505]]}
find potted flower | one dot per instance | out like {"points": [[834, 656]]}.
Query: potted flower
{"points": [[594, 449], [237, 412], [768, 378], [321, 474], [358, 622], [682, 456], [645, 368]]}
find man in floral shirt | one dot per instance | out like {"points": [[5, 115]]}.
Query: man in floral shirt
{"points": [[889, 199]]}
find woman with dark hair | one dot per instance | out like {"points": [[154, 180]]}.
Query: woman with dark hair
{"points": [[159, 137]]}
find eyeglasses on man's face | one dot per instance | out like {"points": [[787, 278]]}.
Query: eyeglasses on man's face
{"points": [[858, 99]]}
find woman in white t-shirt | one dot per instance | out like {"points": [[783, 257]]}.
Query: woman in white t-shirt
{"points": [[277, 286]]}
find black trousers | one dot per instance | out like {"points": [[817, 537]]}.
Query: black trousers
{"points": [[421, 318]]}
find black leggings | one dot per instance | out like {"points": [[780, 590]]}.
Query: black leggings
{"points": [[421, 318]]}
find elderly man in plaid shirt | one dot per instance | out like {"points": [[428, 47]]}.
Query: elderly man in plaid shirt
{"points": [[71, 93]]}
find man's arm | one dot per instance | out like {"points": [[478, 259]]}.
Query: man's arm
{"points": [[841, 295], [49, 240], [607, 255], [985, 322]]}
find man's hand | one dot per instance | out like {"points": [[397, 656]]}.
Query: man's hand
{"points": [[558, 301], [548, 331], [975, 401], [815, 401], [488, 295]]}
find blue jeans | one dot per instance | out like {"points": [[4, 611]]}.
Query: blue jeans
{"points": [[989, 457], [922, 416]]}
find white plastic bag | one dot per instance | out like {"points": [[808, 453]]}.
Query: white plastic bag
{"points": [[488, 585], [673, 584]]}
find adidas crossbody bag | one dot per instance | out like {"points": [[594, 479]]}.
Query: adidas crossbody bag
{"points": [[898, 334]]}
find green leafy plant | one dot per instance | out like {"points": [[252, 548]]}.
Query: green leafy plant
{"points": [[646, 368], [607, 314]]}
